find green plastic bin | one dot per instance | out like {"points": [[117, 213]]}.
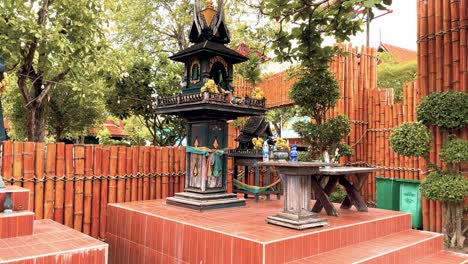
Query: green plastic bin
{"points": [[410, 201], [388, 193]]}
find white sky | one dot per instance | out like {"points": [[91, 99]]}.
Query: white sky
{"points": [[398, 28]]}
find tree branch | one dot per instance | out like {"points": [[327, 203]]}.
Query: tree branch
{"points": [[49, 85]]}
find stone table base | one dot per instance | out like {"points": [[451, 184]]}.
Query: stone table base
{"points": [[290, 221]]}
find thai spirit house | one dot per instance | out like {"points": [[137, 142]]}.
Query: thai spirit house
{"points": [[205, 103]]}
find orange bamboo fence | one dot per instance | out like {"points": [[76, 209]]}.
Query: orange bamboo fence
{"points": [[72, 184], [442, 66]]}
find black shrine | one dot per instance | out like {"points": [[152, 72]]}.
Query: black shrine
{"points": [[207, 112]]}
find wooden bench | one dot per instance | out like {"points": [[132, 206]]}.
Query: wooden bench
{"points": [[337, 175]]}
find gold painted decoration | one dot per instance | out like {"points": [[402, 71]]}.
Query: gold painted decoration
{"points": [[209, 13], [218, 59], [196, 143], [215, 143], [195, 169]]}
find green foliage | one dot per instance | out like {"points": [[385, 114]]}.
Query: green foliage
{"points": [[137, 132], [454, 151], [134, 94], [445, 186], [250, 70], [104, 137], [411, 139], [337, 196], [280, 116], [305, 23], [448, 110], [46, 42], [303, 156], [345, 150], [315, 92], [391, 74], [325, 136], [239, 122], [72, 113]]}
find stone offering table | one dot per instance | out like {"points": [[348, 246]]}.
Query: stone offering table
{"points": [[298, 178], [337, 175]]}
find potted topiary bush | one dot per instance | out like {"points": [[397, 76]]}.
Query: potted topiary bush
{"points": [[315, 93], [448, 111]]}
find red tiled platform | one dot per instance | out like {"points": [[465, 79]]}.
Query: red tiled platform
{"points": [[19, 196], [52, 242], [16, 224], [444, 257], [153, 232]]}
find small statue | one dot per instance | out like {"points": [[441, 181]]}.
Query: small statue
{"points": [[293, 154]]}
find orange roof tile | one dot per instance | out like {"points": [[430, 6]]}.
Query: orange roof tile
{"points": [[114, 130], [402, 55]]}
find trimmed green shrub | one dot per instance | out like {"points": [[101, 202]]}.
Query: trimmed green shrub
{"points": [[454, 151], [448, 110], [411, 139], [445, 186]]}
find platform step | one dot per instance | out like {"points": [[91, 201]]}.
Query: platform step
{"points": [[205, 197], [202, 202], [403, 247], [444, 257]]}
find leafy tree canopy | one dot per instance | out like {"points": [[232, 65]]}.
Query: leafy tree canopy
{"points": [[45, 42], [304, 24], [391, 74]]}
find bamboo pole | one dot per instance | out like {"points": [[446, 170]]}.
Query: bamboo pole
{"points": [[128, 172], [141, 158], [425, 213], [60, 183], [104, 191], [176, 170], [455, 36], [97, 168], [431, 46], [432, 222], [88, 189], [165, 171], [39, 188], [152, 173], [447, 46], [438, 217], [463, 7], [79, 177], [146, 164], [17, 162], [112, 174], [158, 173], [422, 46], [69, 188], [171, 172], [49, 181], [135, 174], [439, 52], [183, 168], [28, 161], [121, 169]]}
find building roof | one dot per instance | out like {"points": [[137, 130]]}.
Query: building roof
{"points": [[402, 55], [114, 129], [209, 47], [245, 50]]}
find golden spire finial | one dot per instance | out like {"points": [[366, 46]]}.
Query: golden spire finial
{"points": [[209, 4]]}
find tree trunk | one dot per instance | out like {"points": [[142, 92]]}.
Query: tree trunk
{"points": [[36, 122]]}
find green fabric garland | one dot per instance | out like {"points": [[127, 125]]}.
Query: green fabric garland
{"points": [[215, 158]]}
